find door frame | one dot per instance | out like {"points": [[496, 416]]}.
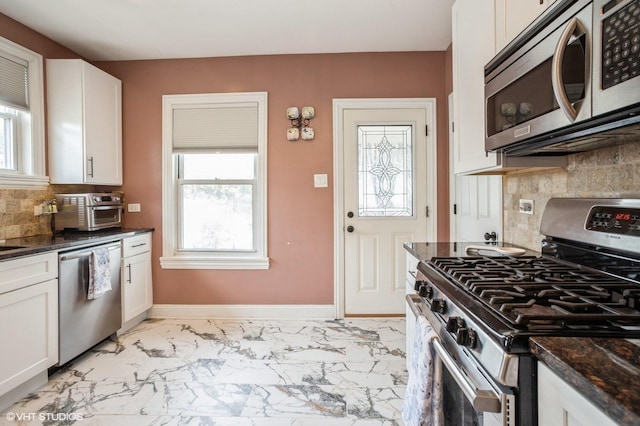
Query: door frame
{"points": [[339, 105]]}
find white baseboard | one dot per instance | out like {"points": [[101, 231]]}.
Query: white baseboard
{"points": [[244, 311]]}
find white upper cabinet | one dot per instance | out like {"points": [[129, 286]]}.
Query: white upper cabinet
{"points": [[84, 106], [514, 16], [474, 29], [473, 46]]}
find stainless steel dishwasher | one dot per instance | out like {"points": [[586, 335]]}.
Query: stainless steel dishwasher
{"points": [[84, 322]]}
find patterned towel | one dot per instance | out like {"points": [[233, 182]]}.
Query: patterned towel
{"points": [[99, 273], [422, 405]]}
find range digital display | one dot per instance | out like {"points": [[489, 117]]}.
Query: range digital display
{"points": [[615, 220]]}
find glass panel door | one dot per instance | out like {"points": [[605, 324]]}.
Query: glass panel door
{"points": [[385, 171]]}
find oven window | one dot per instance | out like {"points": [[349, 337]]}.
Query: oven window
{"points": [[106, 216], [456, 407], [531, 95]]}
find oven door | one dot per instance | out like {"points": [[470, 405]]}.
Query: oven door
{"points": [[469, 397], [101, 217]]}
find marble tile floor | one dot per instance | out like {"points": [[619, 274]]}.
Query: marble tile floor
{"points": [[230, 372]]}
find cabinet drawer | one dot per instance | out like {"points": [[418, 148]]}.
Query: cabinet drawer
{"points": [[25, 271], [136, 245]]}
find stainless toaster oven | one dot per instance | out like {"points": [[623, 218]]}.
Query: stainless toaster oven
{"points": [[89, 212]]}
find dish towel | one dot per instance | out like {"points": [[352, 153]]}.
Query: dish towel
{"points": [[422, 405], [99, 273]]}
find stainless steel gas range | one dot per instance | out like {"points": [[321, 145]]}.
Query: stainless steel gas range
{"points": [[484, 308]]}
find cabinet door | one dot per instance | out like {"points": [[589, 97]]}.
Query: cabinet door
{"points": [[513, 17], [473, 46], [103, 128], [137, 295], [29, 318], [561, 405], [410, 319]]}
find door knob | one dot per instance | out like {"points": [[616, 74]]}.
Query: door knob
{"points": [[490, 236], [350, 228], [350, 215]]}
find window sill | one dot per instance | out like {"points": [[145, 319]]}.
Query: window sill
{"points": [[24, 182], [202, 262]]}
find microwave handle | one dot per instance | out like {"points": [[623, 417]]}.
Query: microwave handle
{"points": [[574, 26]]}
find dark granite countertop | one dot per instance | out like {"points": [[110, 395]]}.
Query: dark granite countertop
{"points": [[16, 247], [427, 250], [606, 371]]}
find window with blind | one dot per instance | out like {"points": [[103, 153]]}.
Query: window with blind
{"points": [[22, 162], [214, 168]]}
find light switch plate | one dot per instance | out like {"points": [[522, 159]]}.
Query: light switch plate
{"points": [[320, 181], [133, 208], [526, 206]]}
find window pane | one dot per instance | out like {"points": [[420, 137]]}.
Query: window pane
{"points": [[217, 217], [219, 166], [7, 139], [385, 170]]}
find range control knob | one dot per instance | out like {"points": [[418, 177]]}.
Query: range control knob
{"points": [[466, 337], [454, 324], [439, 306], [418, 284], [426, 291]]}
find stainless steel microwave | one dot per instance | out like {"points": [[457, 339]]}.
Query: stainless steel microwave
{"points": [[569, 83]]}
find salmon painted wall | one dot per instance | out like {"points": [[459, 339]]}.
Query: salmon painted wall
{"points": [[300, 217]]}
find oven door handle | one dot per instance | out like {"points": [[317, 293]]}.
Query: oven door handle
{"points": [[414, 301], [481, 399]]}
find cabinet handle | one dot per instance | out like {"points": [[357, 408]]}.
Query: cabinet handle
{"points": [[90, 174], [129, 279], [138, 245]]}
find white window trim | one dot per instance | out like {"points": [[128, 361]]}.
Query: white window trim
{"points": [[171, 257], [31, 159]]}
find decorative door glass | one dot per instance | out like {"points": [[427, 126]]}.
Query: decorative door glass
{"points": [[385, 170]]}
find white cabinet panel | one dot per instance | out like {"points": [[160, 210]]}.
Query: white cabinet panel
{"points": [[512, 17], [84, 106], [29, 318], [561, 405], [473, 46], [137, 285], [410, 319]]}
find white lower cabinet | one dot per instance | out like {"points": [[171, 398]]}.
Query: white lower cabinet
{"points": [[559, 404], [29, 319], [410, 319], [137, 285]]}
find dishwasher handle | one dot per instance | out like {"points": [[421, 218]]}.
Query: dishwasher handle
{"points": [[80, 255]]}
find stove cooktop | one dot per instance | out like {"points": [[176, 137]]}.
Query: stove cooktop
{"points": [[543, 295]]}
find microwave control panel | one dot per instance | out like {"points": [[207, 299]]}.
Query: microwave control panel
{"points": [[620, 44]]}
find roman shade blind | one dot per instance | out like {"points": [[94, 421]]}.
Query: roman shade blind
{"points": [[228, 126], [14, 83]]}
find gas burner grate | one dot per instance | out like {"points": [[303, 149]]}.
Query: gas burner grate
{"points": [[543, 294]]}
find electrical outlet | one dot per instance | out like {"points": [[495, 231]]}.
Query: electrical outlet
{"points": [[133, 208], [525, 206]]}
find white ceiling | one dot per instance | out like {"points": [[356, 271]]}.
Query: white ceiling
{"points": [[105, 30]]}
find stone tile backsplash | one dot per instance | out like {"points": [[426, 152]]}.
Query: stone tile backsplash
{"points": [[608, 172], [16, 210]]}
